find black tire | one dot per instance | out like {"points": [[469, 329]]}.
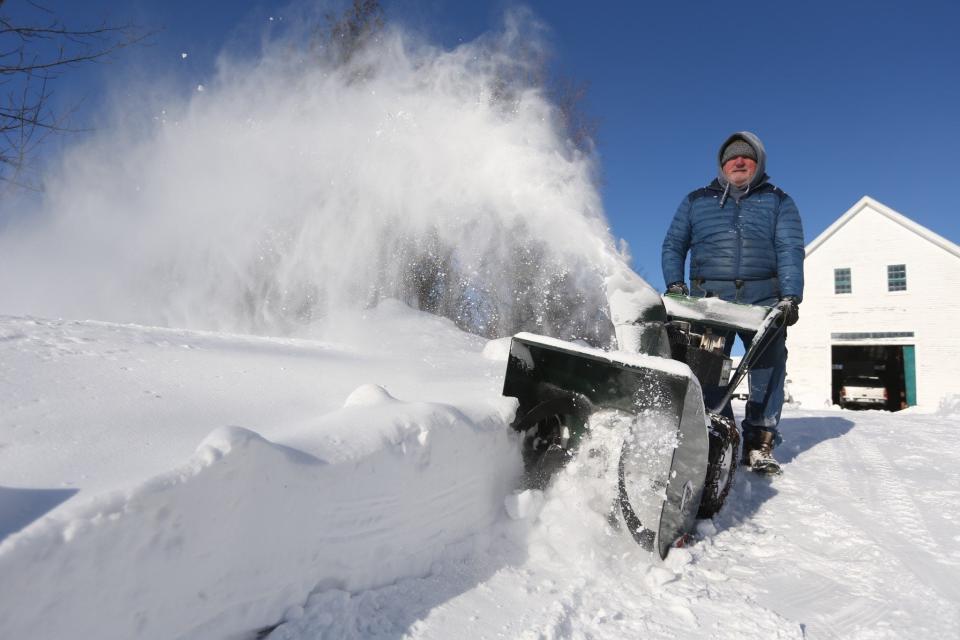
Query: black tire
{"points": [[722, 461]]}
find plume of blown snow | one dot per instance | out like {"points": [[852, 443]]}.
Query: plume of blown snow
{"points": [[292, 187]]}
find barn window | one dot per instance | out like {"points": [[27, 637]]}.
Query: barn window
{"points": [[896, 277], [841, 281]]}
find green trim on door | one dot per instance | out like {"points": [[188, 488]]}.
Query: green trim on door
{"points": [[910, 374]]}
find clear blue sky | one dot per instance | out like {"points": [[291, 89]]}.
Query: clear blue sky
{"points": [[850, 98]]}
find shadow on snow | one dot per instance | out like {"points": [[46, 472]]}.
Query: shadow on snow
{"points": [[799, 435]]}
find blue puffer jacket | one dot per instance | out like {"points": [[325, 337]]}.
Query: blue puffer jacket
{"points": [[757, 240]]}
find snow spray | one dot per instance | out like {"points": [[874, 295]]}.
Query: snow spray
{"points": [[290, 188]]}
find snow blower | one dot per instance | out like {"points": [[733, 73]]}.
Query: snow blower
{"points": [[678, 460]]}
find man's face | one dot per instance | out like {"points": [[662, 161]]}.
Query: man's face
{"points": [[739, 171]]}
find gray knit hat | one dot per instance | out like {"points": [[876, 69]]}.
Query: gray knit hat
{"points": [[738, 147]]}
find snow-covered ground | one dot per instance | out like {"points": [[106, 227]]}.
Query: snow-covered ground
{"points": [[160, 483]]}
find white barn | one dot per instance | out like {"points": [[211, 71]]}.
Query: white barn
{"points": [[882, 298]]}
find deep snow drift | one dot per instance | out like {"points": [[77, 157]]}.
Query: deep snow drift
{"points": [[209, 485], [353, 489]]}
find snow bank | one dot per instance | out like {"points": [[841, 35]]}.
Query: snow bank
{"points": [[228, 542], [497, 350]]}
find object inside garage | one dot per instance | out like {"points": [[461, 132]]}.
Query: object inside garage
{"points": [[894, 365]]}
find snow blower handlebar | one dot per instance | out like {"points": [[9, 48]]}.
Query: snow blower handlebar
{"points": [[771, 327]]}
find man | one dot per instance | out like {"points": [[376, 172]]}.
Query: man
{"points": [[746, 245]]}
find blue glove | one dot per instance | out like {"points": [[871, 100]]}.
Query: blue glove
{"points": [[678, 288], [790, 309]]}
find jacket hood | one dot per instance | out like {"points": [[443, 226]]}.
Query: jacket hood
{"points": [[750, 138]]}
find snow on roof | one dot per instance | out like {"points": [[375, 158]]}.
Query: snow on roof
{"points": [[899, 218]]}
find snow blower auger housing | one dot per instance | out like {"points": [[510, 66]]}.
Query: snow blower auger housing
{"points": [[560, 385]]}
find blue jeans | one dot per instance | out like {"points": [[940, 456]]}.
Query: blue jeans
{"points": [[766, 387], [767, 375]]}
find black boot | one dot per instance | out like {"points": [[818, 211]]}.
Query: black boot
{"points": [[758, 453]]}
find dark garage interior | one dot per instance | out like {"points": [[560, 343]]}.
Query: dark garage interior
{"points": [[893, 364]]}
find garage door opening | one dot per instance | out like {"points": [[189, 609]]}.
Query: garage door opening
{"points": [[893, 365]]}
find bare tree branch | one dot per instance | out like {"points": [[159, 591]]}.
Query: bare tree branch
{"points": [[35, 50]]}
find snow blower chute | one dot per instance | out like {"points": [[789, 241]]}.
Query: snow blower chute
{"points": [[560, 385]]}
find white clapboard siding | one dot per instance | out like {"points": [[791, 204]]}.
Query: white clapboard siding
{"points": [[866, 239]]}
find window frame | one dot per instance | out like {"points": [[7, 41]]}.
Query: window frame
{"points": [[837, 282], [899, 282]]}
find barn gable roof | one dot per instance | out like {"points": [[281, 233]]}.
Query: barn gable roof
{"points": [[899, 218]]}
